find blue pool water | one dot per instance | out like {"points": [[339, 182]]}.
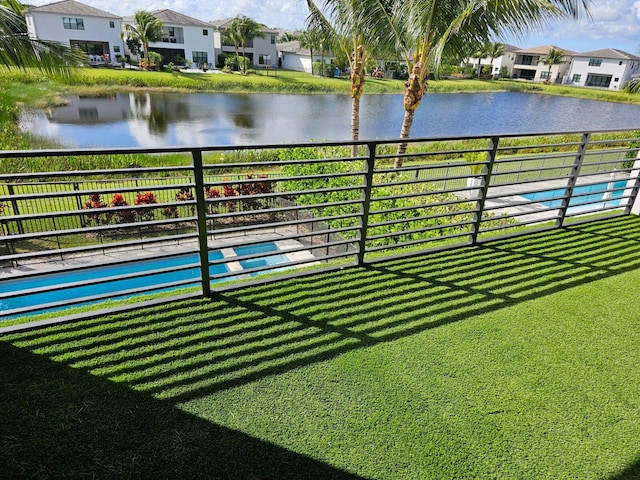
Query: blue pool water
{"points": [[115, 271], [553, 198]]}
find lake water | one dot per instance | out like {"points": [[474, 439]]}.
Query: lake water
{"points": [[200, 119]]}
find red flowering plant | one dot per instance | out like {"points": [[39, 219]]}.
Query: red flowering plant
{"points": [[211, 192], [259, 187], [183, 195], [122, 215], [146, 198], [96, 218]]}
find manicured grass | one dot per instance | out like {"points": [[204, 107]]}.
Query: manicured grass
{"points": [[517, 359]]}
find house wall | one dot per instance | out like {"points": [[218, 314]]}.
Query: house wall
{"points": [[261, 46], [49, 26], [193, 41], [621, 71]]}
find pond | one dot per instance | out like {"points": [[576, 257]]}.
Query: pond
{"points": [[199, 119]]}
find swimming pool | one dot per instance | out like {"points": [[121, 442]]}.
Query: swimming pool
{"points": [[591, 196], [111, 281]]}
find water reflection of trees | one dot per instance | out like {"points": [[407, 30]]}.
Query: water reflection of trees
{"points": [[158, 110]]}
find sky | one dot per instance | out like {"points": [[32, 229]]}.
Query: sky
{"points": [[614, 23]]}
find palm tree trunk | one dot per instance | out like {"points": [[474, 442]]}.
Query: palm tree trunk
{"points": [[355, 123], [356, 76], [413, 93]]}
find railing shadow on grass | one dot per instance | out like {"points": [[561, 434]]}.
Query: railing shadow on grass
{"points": [[197, 348], [62, 422]]}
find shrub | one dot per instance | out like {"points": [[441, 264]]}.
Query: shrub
{"points": [[96, 218], [146, 198], [122, 216]]}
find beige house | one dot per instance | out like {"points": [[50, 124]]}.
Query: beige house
{"points": [[528, 65]]}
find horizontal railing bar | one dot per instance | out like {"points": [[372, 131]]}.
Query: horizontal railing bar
{"points": [[262, 226], [420, 218], [417, 242], [96, 298], [97, 281], [420, 230], [90, 248], [418, 207]]}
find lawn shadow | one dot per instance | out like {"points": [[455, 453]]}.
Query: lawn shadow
{"points": [[63, 422]]}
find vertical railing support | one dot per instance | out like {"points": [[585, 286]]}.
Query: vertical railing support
{"points": [[573, 178], [366, 201], [201, 212], [486, 171], [14, 208]]}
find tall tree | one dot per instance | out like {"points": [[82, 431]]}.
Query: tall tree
{"points": [[482, 52], [19, 51], [249, 30], [146, 28], [423, 29], [309, 39], [495, 50], [346, 25], [233, 36], [553, 57]]}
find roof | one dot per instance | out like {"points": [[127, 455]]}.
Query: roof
{"points": [[294, 47], [611, 53], [171, 17], [71, 7], [544, 49]]}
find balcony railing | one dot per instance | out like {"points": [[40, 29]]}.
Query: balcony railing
{"points": [[235, 216]]}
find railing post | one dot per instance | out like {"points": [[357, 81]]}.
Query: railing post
{"points": [[573, 178], [487, 171], [366, 201], [14, 208], [201, 211]]}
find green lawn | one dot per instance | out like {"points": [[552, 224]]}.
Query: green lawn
{"points": [[517, 359]]}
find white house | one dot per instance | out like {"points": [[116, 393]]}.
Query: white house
{"points": [[292, 57], [608, 68], [182, 36], [262, 52], [528, 65], [94, 31], [507, 60]]}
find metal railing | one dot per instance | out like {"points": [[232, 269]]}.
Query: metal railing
{"points": [[79, 239]]}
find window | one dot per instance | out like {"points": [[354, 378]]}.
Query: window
{"points": [[620, 62], [617, 79], [112, 24], [264, 59], [199, 57], [205, 32], [73, 23], [595, 62], [545, 75], [172, 31], [116, 49], [273, 39], [576, 78]]}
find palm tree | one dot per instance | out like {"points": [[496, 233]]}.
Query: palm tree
{"points": [[309, 40], [495, 50], [346, 27], [633, 86], [19, 51], [424, 29], [553, 57], [482, 52], [233, 36], [288, 37], [248, 30], [147, 28]]}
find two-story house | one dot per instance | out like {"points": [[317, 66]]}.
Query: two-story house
{"points": [[607, 68], [94, 31], [505, 60], [262, 52], [528, 65], [182, 36]]}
